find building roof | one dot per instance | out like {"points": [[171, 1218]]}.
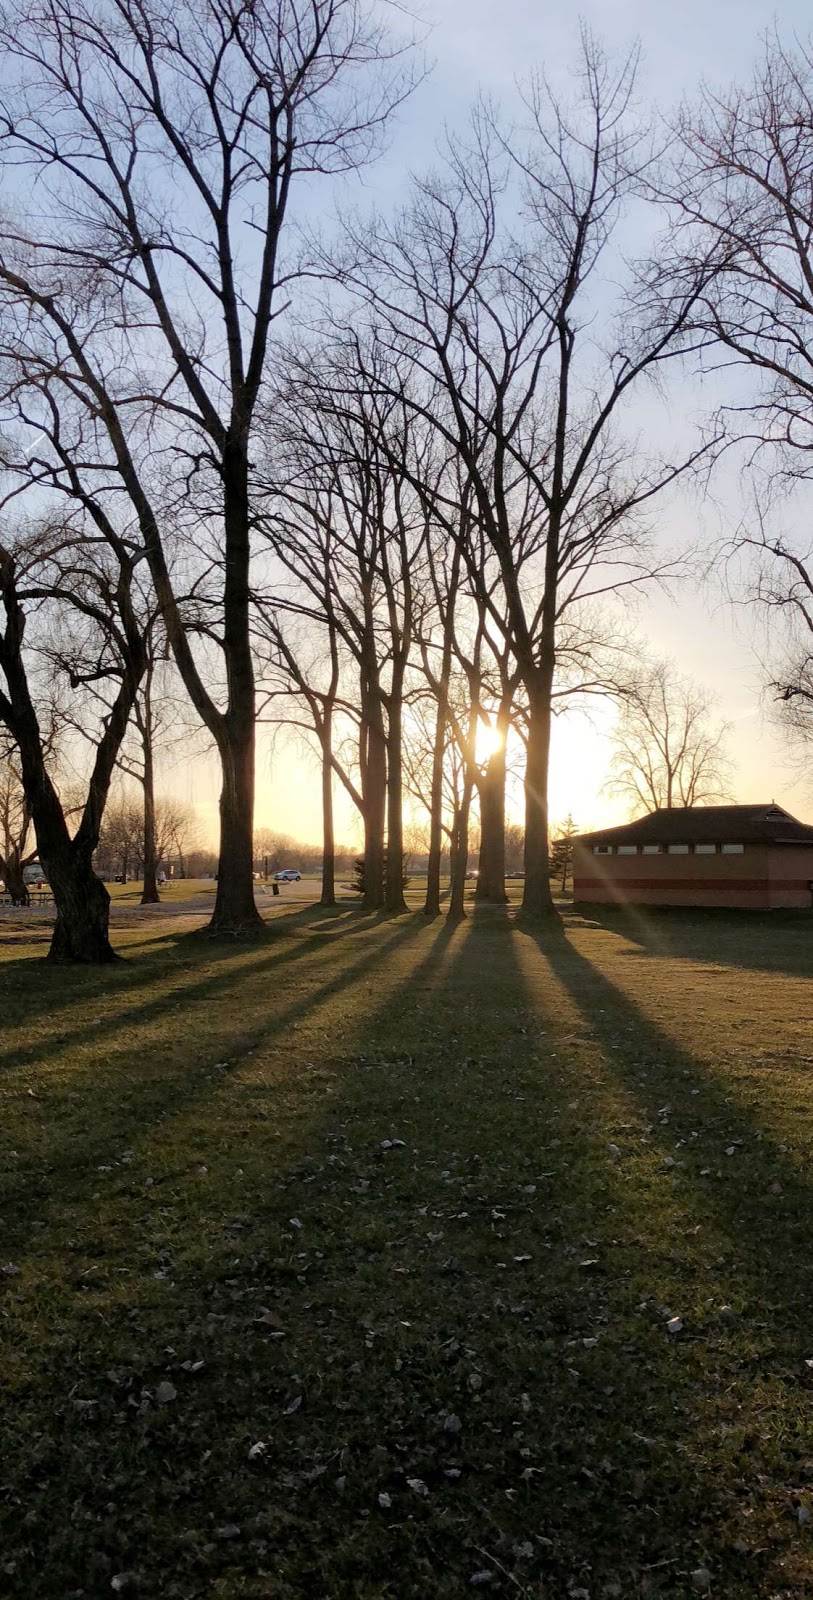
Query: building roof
{"points": [[754, 824]]}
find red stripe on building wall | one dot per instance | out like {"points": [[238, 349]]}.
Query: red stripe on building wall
{"points": [[747, 885]]}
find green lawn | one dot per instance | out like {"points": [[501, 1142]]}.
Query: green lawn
{"points": [[343, 1265], [129, 894]]}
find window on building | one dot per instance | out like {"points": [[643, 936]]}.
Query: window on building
{"points": [[678, 849], [705, 849], [733, 849], [602, 849], [628, 849], [653, 849]]}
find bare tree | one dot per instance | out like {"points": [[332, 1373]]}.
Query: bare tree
{"points": [[130, 839], [500, 326], [300, 674], [561, 855], [17, 847], [157, 727], [164, 142], [120, 851], [177, 832], [742, 196], [58, 576], [670, 749], [345, 522]]}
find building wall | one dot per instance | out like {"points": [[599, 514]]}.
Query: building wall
{"points": [[763, 876]]}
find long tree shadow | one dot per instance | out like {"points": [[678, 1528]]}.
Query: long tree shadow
{"points": [[729, 1232], [420, 1273], [772, 941], [441, 1253], [176, 956], [183, 1069]]}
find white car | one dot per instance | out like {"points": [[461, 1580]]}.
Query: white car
{"points": [[288, 875]]}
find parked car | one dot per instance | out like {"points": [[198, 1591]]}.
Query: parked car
{"points": [[287, 875], [515, 875]]}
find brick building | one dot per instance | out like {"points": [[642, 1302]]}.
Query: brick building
{"points": [[754, 856]]}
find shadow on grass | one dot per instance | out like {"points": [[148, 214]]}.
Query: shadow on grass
{"points": [[466, 1295], [771, 941], [33, 991], [728, 1225], [738, 1196], [186, 1072]]}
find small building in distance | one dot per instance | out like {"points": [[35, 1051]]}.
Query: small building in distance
{"points": [[755, 856]]}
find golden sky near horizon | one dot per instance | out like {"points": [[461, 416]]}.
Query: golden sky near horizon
{"points": [[288, 783]]}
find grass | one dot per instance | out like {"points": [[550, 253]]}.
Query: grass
{"points": [[256, 1346], [127, 894]]}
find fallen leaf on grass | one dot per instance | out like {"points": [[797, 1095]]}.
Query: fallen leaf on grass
{"points": [[270, 1319]]}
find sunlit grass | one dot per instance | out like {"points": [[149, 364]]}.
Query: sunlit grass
{"points": [[411, 1210]]}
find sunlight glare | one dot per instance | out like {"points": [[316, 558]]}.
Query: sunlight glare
{"points": [[489, 740]]}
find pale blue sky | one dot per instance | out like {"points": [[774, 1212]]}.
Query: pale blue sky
{"points": [[487, 44]]}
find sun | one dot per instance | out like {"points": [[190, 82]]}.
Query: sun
{"points": [[489, 740]]}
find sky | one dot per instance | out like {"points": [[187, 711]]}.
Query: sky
{"points": [[487, 45]]}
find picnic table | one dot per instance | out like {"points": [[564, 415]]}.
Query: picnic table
{"points": [[36, 897]]}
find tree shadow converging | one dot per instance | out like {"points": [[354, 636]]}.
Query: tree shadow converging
{"points": [[168, 1072], [721, 1212], [142, 984], [403, 1252], [120, 1238]]}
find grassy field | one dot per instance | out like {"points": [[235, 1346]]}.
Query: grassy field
{"points": [[344, 1265], [129, 894]]}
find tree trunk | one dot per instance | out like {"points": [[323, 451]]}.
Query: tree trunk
{"points": [[537, 900], [432, 902], [235, 909], [12, 875], [374, 791], [394, 888], [460, 857], [434, 864], [328, 897], [82, 914], [453, 844], [82, 902], [491, 865], [149, 894]]}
